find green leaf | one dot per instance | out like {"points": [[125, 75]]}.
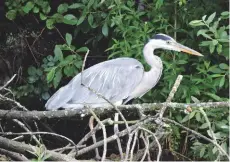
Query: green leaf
{"points": [[198, 117], [57, 78], [225, 15], [28, 7], [70, 19], [214, 42], [49, 23], [50, 75], [202, 151], [105, 30], [62, 8], [214, 96], [196, 23], [219, 48], [222, 80], [191, 115], [223, 66], [58, 53], [186, 118], [69, 71], [32, 79], [210, 18], [224, 146], [215, 69], [81, 19], [205, 43], [39, 72], [203, 34], [82, 49], [78, 64], [42, 16], [203, 126], [214, 150], [201, 31], [35, 9], [90, 20], [70, 58], [57, 17], [76, 5], [211, 48], [181, 62], [11, 14], [68, 38], [203, 18], [90, 3], [32, 70], [45, 96]]}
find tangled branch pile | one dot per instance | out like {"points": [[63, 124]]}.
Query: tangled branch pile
{"points": [[144, 135]]}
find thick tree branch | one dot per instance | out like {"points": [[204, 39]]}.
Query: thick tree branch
{"points": [[67, 114], [24, 148]]}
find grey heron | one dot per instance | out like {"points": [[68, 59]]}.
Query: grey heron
{"points": [[118, 80]]}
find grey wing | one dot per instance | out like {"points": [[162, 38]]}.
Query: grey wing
{"points": [[114, 79]]}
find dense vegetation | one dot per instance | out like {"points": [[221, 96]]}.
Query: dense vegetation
{"points": [[116, 28]]}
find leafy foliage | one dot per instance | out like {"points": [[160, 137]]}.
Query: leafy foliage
{"points": [[54, 68]]}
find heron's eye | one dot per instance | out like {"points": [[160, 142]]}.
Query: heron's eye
{"points": [[168, 42]]}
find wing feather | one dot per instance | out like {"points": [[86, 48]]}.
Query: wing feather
{"points": [[114, 79]]}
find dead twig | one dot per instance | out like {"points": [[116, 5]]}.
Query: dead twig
{"points": [[27, 130], [38, 36], [104, 133], [171, 95], [157, 141], [134, 144], [116, 130], [94, 136], [8, 82], [146, 146], [34, 133]]}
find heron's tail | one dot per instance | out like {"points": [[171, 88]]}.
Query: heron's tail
{"points": [[60, 98]]}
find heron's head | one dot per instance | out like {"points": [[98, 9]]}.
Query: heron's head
{"points": [[166, 42]]}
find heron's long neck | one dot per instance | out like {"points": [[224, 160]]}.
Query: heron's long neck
{"points": [[150, 58]]}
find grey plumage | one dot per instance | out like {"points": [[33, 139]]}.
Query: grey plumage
{"points": [[118, 80], [114, 79]]}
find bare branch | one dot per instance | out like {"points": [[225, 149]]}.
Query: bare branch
{"points": [[114, 137], [116, 130], [134, 144], [34, 133], [26, 129], [24, 149], [104, 133], [13, 155], [146, 146], [73, 114], [171, 95], [157, 141], [93, 136], [8, 82]]}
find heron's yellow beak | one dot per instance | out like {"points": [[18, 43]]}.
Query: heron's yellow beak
{"points": [[188, 50]]}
